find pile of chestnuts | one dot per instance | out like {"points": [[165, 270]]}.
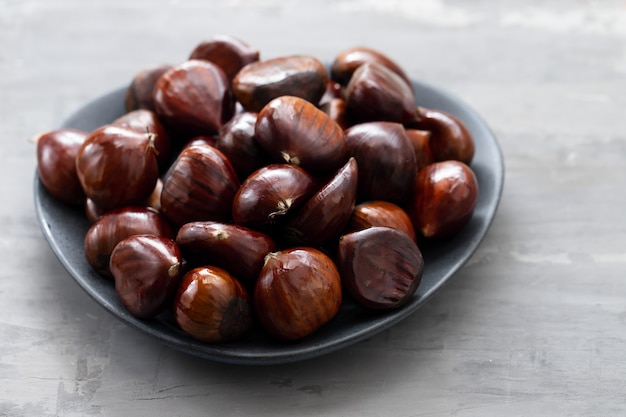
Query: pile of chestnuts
{"points": [[239, 192]]}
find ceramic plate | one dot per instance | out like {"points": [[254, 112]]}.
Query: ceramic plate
{"points": [[64, 228]]}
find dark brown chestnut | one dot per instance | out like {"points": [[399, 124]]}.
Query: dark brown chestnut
{"points": [[347, 61], [194, 98], [386, 160], [325, 215], [116, 225], [335, 108], [56, 164], [139, 92], [227, 52], [117, 166], [212, 306], [381, 213], [449, 139], [237, 249], [297, 75], [292, 130], [420, 139], [297, 292], [375, 93], [237, 141], [444, 199], [200, 185], [380, 267], [146, 121], [268, 195], [146, 270]]}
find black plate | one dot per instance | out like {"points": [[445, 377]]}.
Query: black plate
{"points": [[65, 227]]}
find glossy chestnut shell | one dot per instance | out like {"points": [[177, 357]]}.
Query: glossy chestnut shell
{"points": [[212, 306], [328, 211], [270, 194], [238, 143], [347, 61], [297, 292], [380, 267], [292, 130], [296, 75], [420, 139], [237, 249], [117, 167], [56, 164], [445, 196], [449, 138], [381, 213], [200, 185], [146, 270], [386, 159], [115, 226], [194, 98], [140, 91], [227, 52]]}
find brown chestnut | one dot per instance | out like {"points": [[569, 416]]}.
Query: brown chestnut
{"points": [[386, 159], [139, 92], [420, 139], [375, 93], [194, 98], [227, 52], [56, 164], [381, 213], [449, 139], [117, 166], [335, 108], [297, 292], [347, 61], [237, 249], [200, 185], [380, 267], [292, 130], [444, 199], [237, 142], [212, 306], [324, 215], [297, 75], [146, 121], [146, 270], [268, 195], [116, 225]]}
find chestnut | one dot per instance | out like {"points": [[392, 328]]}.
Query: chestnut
{"points": [[116, 225], [237, 249], [212, 306], [449, 138], [56, 164], [146, 121], [420, 139], [292, 130], [117, 166], [375, 93], [297, 292], [237, 142], [146, 270], [194, 98], [227, 52], [386, 160], [268, 195], [200, 185], [381, 213], [444, 199], [347, 61], [335, 108], [380, 267], [296, 75], [139, 92], [324, 215]]}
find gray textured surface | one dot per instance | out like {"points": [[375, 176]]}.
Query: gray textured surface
{"points": [[534, 325]]}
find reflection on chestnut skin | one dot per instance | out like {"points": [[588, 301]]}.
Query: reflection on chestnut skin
{"points": [[212, 306], [449, 139], [445, 196], [297, 292], [381, 213], [227, 52]]}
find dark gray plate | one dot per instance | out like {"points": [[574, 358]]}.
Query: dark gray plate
{"points": [[65, 227]]}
